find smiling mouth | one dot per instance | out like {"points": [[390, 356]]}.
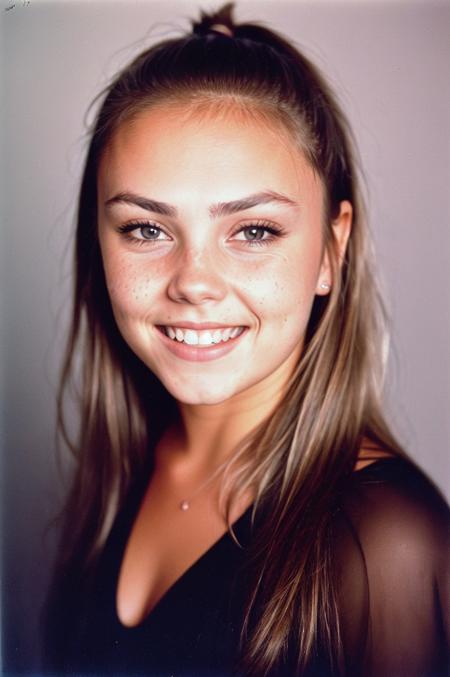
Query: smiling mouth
{"points": [[203, 338]]}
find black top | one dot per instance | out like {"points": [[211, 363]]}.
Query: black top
{"points": [[392, 567]]}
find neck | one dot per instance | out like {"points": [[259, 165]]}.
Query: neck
{"points": [[206, 435]]}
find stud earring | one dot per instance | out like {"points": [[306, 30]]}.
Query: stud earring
{"points": [[324, 285]]}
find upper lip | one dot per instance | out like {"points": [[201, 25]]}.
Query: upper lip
{"points": [[200, 325]]}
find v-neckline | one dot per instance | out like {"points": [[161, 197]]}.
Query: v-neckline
{"points": [[124, 534], [130, 515]]}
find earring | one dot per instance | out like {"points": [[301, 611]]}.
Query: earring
{"points": [[324, 285]]}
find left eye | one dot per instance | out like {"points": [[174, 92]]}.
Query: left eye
{"points": [[256, 234]]}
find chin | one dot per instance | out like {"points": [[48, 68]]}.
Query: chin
{"points": [[195, 394]]}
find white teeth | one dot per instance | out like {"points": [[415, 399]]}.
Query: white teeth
{"points": [[205, 338], [190, 337], [226, 334], [202, 338]]}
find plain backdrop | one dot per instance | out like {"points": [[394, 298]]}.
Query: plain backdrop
{"points": [[389, 64]]}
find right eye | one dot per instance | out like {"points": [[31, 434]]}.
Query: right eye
{"points": [[143, 232]]}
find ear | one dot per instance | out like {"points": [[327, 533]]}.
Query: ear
{"points": [[341, 227]]}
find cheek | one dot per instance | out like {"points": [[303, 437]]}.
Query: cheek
{"points": [[129, 290], [283, 288]]}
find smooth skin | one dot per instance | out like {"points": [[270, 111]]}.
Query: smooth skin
{"points": [[199, 264]]}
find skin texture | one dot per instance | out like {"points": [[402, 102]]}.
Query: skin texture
{"points": [[201, 269]]}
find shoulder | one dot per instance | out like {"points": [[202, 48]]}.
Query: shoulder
{"points": [[396, 518], [393, 500], [391, 552]]}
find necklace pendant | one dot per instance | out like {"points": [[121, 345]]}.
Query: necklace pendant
{"points": [[184, 505]]}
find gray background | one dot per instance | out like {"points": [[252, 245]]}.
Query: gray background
{"points": [[389, 62]]}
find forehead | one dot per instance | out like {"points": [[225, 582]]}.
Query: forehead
{"points": [[177, 150]]}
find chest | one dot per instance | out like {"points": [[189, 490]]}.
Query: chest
{"points": [[193, 629], [164, 543]]}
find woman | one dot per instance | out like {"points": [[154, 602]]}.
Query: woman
{"points": [[240, 505]]}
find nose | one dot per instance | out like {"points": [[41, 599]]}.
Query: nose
{"points": [[197, 279]]}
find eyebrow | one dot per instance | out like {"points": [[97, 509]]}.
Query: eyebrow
{"points": [[215, 210]]}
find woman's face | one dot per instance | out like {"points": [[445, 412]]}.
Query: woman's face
{"points": [[211, 233]]}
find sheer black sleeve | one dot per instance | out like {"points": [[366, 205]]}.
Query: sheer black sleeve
{"points": [[392, 554]]}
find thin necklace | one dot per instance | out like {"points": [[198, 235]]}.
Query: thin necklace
{"points": [[185, 504]]}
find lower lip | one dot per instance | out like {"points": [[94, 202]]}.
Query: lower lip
{"points": [[194, 354]]}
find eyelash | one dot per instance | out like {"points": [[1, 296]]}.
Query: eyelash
{"points": [[275, 232]]}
